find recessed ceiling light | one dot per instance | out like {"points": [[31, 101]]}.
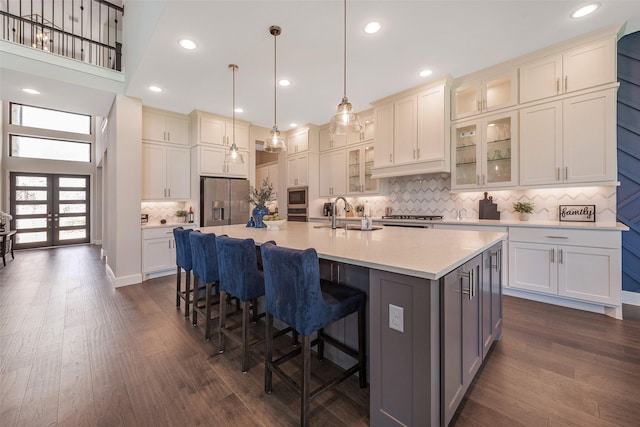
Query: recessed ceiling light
{"points": [[187, 44], [155, 89], [585, 10], [239, 110], [284, 82], [30, 91], [425, 73], [372, 27], [293, 125]]}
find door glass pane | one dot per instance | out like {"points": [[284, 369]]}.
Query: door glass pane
{"points": [[24, 223], [31, 181], [72, 234], [70, 221], [499, 150], [466, 140], [31, 209], [72, 195], [72, 208], [40, 236], [72, 182], [22, 195]]}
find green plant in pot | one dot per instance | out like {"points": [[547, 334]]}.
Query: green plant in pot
{"points": [[360, 210], [259, 197], [180, 213], [524, 209]]}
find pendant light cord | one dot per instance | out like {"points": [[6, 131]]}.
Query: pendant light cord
{"points": [[275, 87], [345, 50], [233, 101]]}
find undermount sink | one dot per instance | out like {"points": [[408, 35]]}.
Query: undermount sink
{"points": [[347, 226]]}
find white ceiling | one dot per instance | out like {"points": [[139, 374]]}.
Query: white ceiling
{"points": [[450, 37]]}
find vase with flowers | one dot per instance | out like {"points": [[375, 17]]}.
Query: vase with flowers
{"points": [[259, 197], [4, 221]]}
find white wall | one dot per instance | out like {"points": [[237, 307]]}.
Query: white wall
{"points": [[122, 182]]}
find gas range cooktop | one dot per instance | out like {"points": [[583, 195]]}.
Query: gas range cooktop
{"points": [[416, 217]]}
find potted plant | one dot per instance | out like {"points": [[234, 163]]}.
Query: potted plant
{"points": [[524, 209], [181, 213], [360, 209], [259, 197], [4, 221]]}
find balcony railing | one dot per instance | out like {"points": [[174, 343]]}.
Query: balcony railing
{"points": [[86, 30]]}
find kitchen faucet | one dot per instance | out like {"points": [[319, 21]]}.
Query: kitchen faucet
{"points": [[347, 208]]}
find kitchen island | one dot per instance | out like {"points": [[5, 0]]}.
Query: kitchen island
{"points": [[445, 304]]}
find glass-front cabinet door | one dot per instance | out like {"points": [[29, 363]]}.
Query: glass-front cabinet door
{"points": [[484, 153], [360, 165]]}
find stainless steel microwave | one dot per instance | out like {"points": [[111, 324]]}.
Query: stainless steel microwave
{"points": [[297, 197]]}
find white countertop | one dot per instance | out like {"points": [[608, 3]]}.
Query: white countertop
{"points": [[168, 224], [492, 222], [423, 252]]}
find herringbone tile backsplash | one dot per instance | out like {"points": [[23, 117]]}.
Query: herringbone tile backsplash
{"points": [[430, 195]]}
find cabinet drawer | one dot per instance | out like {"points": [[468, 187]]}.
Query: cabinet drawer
{"points": [[160, 232], [558, 236]]}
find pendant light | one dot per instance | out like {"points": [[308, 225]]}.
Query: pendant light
{"points": [[345, 120], [233, 155], [275, 143]]}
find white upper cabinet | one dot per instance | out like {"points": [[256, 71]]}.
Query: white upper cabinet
{"points": [[485, 153], [298, 170], [412, 132], [368, 128], [215, 130], [330, 141], [302, 140], [211, 162], [472, 96], [161, 126], [166, 172], [569, 141], [333, 174], [582, 67]]}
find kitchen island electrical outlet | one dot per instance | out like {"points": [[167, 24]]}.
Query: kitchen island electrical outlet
{"points": [[396, 318]]}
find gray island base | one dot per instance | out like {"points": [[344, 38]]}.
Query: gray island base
{"points": [[434, 305]]}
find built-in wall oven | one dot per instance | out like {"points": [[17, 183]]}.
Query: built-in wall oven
{"points": [[298, 204]]}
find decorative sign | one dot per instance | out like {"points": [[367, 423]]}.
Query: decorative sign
{"points": [[577, 213]]}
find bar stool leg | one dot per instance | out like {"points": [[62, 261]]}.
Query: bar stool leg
{"points": [[246, 305], [268, 354], [306, 380], [362, 345], [178, 286], [187, 294], [321, 344], [194, 313], [223, 318], [207, 323]]}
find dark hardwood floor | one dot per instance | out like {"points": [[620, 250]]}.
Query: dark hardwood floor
{"points": [[76, 352]]}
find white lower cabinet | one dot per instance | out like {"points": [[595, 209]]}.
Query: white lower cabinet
{"points": [[578, 264], [159, 251]]}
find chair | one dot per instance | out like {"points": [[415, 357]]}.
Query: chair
{"points": [[241, 278], [295, 294], [204, 258], [183, 262]]}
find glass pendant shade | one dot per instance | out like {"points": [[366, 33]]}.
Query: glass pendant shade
{"points": [[275, 143], [345, 120], [234, 155]]}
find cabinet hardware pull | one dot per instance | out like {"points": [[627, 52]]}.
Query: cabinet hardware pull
{"points": [[495, 254], [556, 237], [557, 174], [484, 104], [560, 257], [566, 173], [558, 85], [169, 192], [168, 136], [390, 158], [552, 255], [418, 153], [414, 154], [477, 179], [566, 84], [469, 290], [479, 105], [484, 179]]}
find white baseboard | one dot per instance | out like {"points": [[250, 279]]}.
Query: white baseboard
{"points": [[118, 282], [615, 312], [631, 298]]}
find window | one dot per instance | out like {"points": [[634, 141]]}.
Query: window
{"points": [[43, 118], [52, 149]]}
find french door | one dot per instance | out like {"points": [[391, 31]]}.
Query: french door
{"points": [[49, 209]]}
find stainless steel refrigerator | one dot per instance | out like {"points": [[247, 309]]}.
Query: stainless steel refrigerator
{"points": [[223, 201]]}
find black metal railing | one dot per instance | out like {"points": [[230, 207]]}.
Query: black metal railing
{"points": [[86, 30]]}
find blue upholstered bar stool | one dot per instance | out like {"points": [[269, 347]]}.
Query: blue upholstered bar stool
{"points": [[240, 278], [206, 277], [295, 294], [183, 262]]}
